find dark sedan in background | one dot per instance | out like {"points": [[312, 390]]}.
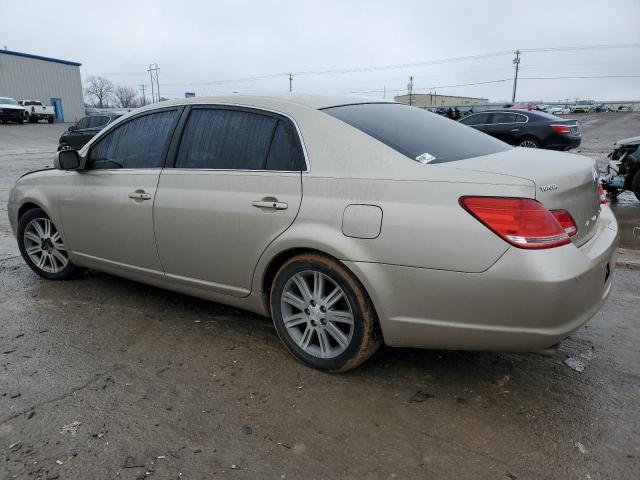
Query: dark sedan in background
{"points": [[524, 128], [75, 137]]}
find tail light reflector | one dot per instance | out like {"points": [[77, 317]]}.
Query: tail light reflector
{"points": [[522, 222], [566, 221], [561, 129]]}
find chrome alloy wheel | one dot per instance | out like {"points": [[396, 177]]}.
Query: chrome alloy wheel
{"points": [[317, 314], [528, 144], [44, 246]]}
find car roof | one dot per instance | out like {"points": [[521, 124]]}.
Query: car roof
{"points": [[314, 101]]}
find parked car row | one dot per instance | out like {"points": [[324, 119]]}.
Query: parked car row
{"points": [[25, 111]]}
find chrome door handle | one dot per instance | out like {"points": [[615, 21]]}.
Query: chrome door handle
{"points": [[140, 195], [270, 204], [514, 130]]}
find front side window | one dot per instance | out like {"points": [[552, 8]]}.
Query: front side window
{"points": [[84, 122], [416, 133], [97, 121], [503, 117], [236, 140], [477, 119], [139, 143]]}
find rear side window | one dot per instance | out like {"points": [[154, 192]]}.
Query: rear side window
{"points": [[227, 139], [139, 143], [521, 118], [417, 133]]}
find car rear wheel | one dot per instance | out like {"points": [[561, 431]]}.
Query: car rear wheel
{"points": [[529, 143], [50, 119], [322, 313], [42, 247]]}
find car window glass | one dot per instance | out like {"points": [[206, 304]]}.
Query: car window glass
{"points": [[225, 139], [138, 143], [285, 154], [84, 123], [420, 135], [521, 119], [503, 117], [477, 119], [96, 122]]}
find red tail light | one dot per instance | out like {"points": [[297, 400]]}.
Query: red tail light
{"points": [[561, 129], [603, 195], [566, 221], [33, 109], [522, 222]]}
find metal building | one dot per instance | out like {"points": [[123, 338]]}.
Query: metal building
{"points": [[52, 81], [433, 100]]}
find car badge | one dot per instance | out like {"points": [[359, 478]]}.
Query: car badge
{"points": [[548, 188]]}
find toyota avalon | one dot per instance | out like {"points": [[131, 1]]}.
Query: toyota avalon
{"points": [[350, 222]]}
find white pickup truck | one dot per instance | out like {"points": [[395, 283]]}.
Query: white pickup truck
{"points": [[35, 110]]}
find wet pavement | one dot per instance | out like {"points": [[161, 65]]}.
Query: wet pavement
{"points": [[105, 378]]}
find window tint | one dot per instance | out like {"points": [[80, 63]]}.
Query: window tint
{"points": [[477, 119], [97, 121], [84, 122], [226, 139], [503, 117], [414, 132], [138, 143], [285, 154], [521, 119]]}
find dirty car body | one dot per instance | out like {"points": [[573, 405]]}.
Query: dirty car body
{"points": [[401, 203]]}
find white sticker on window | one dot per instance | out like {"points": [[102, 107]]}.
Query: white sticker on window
{"points": [[425, 158]]}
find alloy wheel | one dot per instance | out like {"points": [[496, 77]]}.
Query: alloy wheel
{"points": [[528, 144], [44, 246], [317, 314]]}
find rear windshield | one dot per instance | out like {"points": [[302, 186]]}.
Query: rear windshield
{"points": [[417, 133]]}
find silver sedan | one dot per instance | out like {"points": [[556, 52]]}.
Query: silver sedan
{"points": [[350, 222]]}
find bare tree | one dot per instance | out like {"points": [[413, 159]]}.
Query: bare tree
{"points": [[126, 96], [101, 89]]}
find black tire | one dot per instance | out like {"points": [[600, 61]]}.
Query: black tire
{"points": [[366, 336], [529, 142], [27, 118], [50, 119], [635, 185], [67, 272]]}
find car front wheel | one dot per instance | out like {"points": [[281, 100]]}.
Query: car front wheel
{"points": [[322, 313], [42, 248]]}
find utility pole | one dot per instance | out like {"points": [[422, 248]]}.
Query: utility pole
{"points": [[144, 98], [290, 82], [410, 90], [516, 62], [153, 74], [384, 91]]}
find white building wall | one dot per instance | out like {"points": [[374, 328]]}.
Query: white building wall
{"points": [[35, 79]]}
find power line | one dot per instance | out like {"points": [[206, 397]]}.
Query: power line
{"points": [[582, 47]]}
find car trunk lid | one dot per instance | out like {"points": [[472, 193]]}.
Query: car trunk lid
{"points": [[563, 181]]}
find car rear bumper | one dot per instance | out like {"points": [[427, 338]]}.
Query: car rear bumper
{"points": [[528, 300], [563, 142]]}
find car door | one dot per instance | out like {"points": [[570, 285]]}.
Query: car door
{"points": [[235, 186], [107, 207], [75, 137], [502, 126]]}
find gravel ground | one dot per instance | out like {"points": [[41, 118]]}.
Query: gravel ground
{"points": [[105, 378]]}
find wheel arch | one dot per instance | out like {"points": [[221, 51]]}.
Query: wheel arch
{"points": [[278, 259]]}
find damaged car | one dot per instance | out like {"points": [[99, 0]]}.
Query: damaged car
{"points": [[623, 171]]}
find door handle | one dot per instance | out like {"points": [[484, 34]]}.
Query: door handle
{"points": [[271, 204], [140, 195], [514, 130]]}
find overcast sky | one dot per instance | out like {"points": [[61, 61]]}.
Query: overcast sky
{"points": [[196, 43]]}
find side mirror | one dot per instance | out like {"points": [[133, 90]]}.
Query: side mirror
{"points": [[66, 160], [72, 128]]}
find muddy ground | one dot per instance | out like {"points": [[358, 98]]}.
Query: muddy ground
{"points": [[104, 378]]}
